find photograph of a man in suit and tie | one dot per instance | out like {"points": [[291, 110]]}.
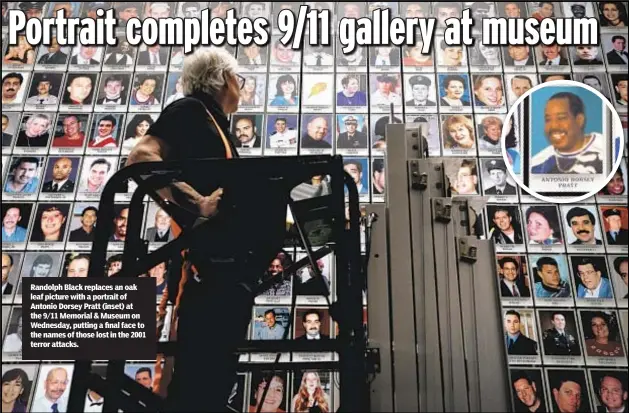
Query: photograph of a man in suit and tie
{"points": [[518, 344], [160, 231], [513, 277]]}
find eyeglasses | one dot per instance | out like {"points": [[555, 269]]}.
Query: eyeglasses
{"points": [[241, 81]]}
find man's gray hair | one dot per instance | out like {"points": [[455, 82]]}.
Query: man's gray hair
{"points": [[204, 70]]}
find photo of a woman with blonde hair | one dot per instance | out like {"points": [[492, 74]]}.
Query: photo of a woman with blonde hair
{"points": [[458, 132], [310, 394]]}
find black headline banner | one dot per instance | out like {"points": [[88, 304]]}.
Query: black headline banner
{"points": [[89, 319]]}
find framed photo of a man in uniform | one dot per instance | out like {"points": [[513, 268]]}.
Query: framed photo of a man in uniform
{"points": [[561, 343], [282, 134]]}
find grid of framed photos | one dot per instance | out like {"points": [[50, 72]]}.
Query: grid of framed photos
{"points": [[71, 115]]}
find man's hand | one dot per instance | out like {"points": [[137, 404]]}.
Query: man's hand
{"points": [[208, 205]]}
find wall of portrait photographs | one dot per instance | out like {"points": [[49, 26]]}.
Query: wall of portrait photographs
{"points": [[71, 115]]}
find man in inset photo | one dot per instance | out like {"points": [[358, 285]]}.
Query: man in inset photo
{"points": [[7, 267], [583, 225], [43, 84], [120, 225], [466, 181], [7, 138], [517, 343], [519, 55], [565, 123], [54, 56], [272, 330], [560, 339]]}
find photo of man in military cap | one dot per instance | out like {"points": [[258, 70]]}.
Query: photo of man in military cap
{"points": [[420, 90], [353, 137], [497, 174]]}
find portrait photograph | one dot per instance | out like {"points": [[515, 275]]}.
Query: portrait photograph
{"points": [[21, 376], [584, 134], [158, 227], [384, 57], [309, 287], [518, 84], [489, 131], [278, 387], [450, 57], [312, 388], [281, 290], [11, 264], [528, 389], [82, 225], [174, 88], [143, 374], [23, 177], [53, 56], [543, 227], [34, 134], [50, 223], [484, 58], [612, 15], [454, 92], [113, 92], [86, 57], [596, 80], [615, 221], [312, 324], [252, 57], [586, 58], [552, 58], [270, 323], [591, 280], [518, 58], [355, 61], [463, 177], [489, 93], [619, 84], [385, 89], [413, 57], [120, 57], [282, 134], [459, 135], [45, 91], [513, 279], [582, 228], [39, 264], [16, 218], [319, 58], [601, 337], [146, 93], [351, 92], [420, 93], [14, 87], [544, 10], [79, 91], [316, 132], [283, 58], [247, 129], [358, 168], [497, 183], [378, 179], [564, 385], [75, 265], [253, 94], [60, 177], [19, 56], [69, 133], [95, 173], [560, 336], [618, 266], [10, 128], [513, 9], [609, 388], [429, 129], [505, 227], [551, 278], [520, 335], [578, 9], [351, 134], [105, 133], [283, 93], [152, 58], [549, 77], [12, 345], [317, 91], [137, 126]]}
